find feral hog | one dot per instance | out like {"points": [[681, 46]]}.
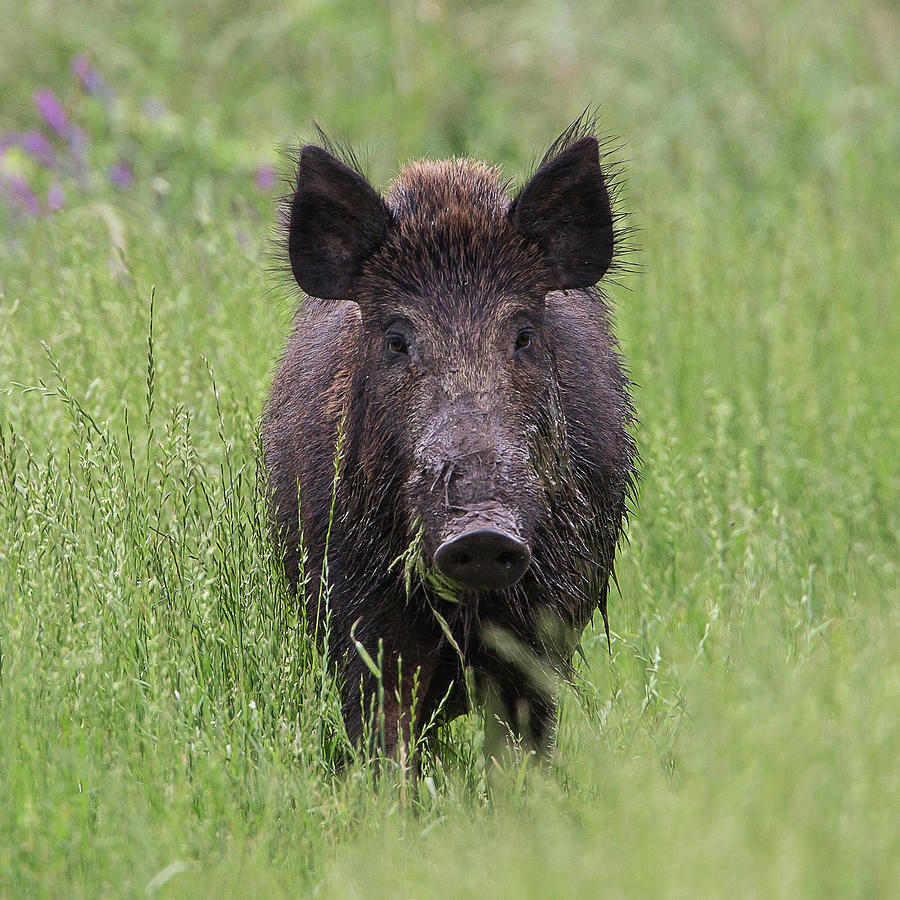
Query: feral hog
{"points": [[456, 359]]}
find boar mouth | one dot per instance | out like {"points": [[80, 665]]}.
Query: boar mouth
{"points": [[483, 559]]}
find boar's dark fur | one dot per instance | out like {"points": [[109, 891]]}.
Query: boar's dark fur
{"points": [[454, 342]]}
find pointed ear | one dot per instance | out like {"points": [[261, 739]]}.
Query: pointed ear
{"points": [[565, 210], [337, 221]]}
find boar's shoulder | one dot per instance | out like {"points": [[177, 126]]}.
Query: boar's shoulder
{"points": [[308, 396]]}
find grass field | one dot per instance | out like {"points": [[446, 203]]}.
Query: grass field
{"points": [[164, 727]]}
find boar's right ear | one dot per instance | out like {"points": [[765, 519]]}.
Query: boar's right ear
{"points": [[337, 221], [565, 210]]}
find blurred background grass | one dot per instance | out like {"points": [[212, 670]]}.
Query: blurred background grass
{"points": [[156, 719]]}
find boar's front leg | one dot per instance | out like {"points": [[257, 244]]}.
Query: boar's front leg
{"points": [[384, 714], [518, 713]]}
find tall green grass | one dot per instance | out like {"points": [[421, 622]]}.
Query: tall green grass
{"points": [[165, 726]]}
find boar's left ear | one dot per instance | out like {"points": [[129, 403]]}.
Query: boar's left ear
{"points": [[565, 210], [337, 221]]}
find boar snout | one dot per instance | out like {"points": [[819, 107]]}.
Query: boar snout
{"points": [[484, 559]]}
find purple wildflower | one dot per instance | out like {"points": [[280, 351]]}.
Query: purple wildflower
{"points": [[266, 178], [88, 77], [55, 196], [50, 107], [19, 193], [122, 174], [78, 140], [36, 145]]}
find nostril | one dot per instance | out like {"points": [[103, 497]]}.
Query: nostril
{"points": [[507, 560], [462, 559]]}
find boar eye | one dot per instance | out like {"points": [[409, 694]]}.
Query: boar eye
{"points": [[396, 343], [524, 338]]}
